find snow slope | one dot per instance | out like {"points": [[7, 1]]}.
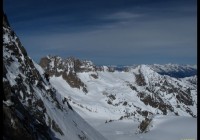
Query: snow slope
{"points": [[110, 96], [162, 128], [31, 106], [116, 102]]}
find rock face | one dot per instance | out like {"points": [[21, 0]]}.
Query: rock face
{"points": [[23, 111], [31, 108], [67, 69]]}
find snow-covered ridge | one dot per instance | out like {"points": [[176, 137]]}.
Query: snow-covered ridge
{"points": [[32, 108], [132, 94], [175, 70], [76, 65]]}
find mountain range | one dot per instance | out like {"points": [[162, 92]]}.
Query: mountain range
{"points": [[134, 92], [65, 98]]}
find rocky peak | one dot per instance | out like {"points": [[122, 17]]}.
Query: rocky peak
{"points": [[68, 69], [22, 115], [70, 64]]}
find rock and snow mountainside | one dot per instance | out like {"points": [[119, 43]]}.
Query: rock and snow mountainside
{"points": [[174, 70], [125, 103], [32, 108], [103, 92]]}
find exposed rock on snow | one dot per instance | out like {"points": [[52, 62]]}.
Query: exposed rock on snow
{"points": [[131, 94], [31, 106]]}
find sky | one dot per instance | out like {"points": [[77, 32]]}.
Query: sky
{"points": [[107, 32]]}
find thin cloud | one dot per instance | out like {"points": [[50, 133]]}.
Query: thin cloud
{"points": [[122, 16], [111, 31], [125, 41]]}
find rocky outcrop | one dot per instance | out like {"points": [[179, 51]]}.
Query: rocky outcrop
{"points": [[68, 69], [143, 127]]}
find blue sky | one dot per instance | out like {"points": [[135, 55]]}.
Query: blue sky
{"points": [[109, 32]]}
